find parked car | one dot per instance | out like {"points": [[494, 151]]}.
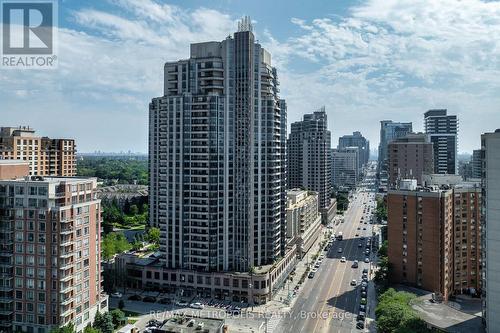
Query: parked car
{"points": [[342, 259], [360, 245], [117, 295], [363, 294], [181, 303], [149, 299], [353, 282], [311, 275], [360, 324], [355, 264], [135, 297], [362, 307], [196, 305], [363, 301], [367, 260]]}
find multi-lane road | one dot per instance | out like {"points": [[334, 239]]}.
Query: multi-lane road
{"points": [[328, 302]]}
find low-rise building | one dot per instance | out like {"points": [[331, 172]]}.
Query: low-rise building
{"points": [[303, 219], [257, 286]]}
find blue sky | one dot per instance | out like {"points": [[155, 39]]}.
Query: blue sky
{"points": [[364, 60]]}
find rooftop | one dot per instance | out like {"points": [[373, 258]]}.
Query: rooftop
{"points": [[188, 324], [52, 179]]}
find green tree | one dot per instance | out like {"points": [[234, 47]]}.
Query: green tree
{"points": [[395, 315], [104, 322], [114, 243], [342, 201], [70, 328], [90, 329], [134, 210], [381, 210], [154, 235], [382, 252], [118, 317]]}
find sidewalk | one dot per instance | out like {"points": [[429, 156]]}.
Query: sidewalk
{"points": [[278, 303]]}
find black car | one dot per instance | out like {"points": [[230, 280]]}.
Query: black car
{"points": [[361, 315], [149, 299], [134, 298], [362, 307], [360, 324], [365, 270], [164, 300]]}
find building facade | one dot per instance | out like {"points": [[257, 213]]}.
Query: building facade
{"points": [[410, 157], [476, 164], [217, 158], [490, 146], [442, 130], [389, 131], [345, 167], [434, 237], [50, 257], [46, 157], [356, 140], [309, 156], [303, 219]]}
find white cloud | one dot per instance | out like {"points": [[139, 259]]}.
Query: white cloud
{"points": [[395, 59], [109, 69], [386, 59]]}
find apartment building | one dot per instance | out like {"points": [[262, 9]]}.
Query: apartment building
{"points": [[303, 219], [434, 236], [419, 231], [490, 155], [50, 252], [309, 159], [218, 163], [476, 164], [389, 131], [46, 156], [410, 157], [356, 140], [345, 167], [442, 130]]}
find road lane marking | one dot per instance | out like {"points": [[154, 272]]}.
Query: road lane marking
{"points": [[343, 272]]}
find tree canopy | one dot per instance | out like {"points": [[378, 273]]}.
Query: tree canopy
{"points": [[395, 315], [124, 170]]}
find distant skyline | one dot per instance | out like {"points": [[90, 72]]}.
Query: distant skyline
{"points": [[365, 61]]}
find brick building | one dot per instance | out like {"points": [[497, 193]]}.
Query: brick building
{"points": [[46, 156], [434, 238], [50, 264]]}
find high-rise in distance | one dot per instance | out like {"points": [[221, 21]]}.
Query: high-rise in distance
{"points": [[46, 156], [442, 130], [309, 158]]}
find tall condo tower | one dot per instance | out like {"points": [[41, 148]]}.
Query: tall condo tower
{"points": [[218, 158], [442, 130]]}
